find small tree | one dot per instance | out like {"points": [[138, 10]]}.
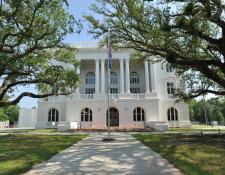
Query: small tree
{"points": [[3, 116], [12, 112]]}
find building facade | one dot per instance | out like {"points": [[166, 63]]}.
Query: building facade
{"points": [[140, 94]]}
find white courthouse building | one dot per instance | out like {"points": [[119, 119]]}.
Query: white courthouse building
{"points": [[140, 94]]}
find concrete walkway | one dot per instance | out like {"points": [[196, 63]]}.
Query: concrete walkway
{"points": [[125, 156]]}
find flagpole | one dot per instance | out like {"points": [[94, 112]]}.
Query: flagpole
{"points": [[109, 138], [108, 83]]}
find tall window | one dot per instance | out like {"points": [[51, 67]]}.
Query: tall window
{"points": [[169, 68], [90, 90], [113, 78], [86, 115], [135, 90], [170, 88], [53, 115], [113, 91], [134, 78], [134, 83], [172, 114], [90, 78], [139, 114]]}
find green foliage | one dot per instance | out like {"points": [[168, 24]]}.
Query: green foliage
{"points": [[31, 39], [10, 113], [189, 35], [214, 109], [3, 116]]}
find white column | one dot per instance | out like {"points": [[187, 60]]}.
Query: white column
{"points": [[121, 77], [127, 76], [102, 76], [77, 91], [153, 79], [147, 91], [96, 76]]}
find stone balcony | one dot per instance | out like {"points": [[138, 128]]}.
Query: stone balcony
{"points": [[99, 96], [115, 96]]}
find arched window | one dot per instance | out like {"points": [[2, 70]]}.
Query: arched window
{"points": [[53, 115], [86, 115], [172, 114], [134, 78], [139, 114], [169, 68], [90, 78], [113, 78]]}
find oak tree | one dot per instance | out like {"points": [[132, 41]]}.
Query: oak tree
{"points": [[189, 34], [32, 51]]}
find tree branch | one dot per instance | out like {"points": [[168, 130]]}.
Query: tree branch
{"points": [[28, 94]]}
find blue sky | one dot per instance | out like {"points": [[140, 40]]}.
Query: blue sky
{"points": [[78, 8]]}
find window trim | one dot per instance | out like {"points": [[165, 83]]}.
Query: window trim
{"points": [[135, 90], [136, 115], [86, 115], [52, 115], [89, 90], [90, 78], [134, 79], [113, 78], [170, 88], [172, 114], [113, 90]]}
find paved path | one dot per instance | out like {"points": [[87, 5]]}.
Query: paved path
{"points": [[125, 156]]}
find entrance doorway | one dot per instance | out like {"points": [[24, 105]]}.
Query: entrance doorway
{"points": [[114, 117]]}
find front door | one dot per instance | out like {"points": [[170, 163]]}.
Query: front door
{"points": [[114, 117]]}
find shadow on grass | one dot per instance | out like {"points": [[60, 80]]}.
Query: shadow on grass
{"points": [[194, 155], [18, 153]]}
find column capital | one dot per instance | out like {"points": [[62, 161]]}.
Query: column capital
{"points": [[126, 59]]}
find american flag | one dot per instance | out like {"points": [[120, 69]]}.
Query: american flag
{"points": [[109, 52]]}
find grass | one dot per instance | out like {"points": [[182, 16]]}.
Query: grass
{"points": [[29, 131], [43, 130], [18, 153], [199, 128], [192, 154]]}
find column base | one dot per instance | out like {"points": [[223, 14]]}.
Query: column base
{"points": [[154, 93], [147, 95]]}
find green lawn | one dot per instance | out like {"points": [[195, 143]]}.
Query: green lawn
{"points": [[194, 155], [199, 128], [18, 153], [28, 131]]}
